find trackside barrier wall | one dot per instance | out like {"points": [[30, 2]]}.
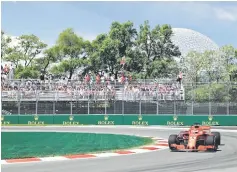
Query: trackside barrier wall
{"points": [[168, 120]]}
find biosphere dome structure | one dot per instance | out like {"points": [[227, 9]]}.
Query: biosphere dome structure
{"points": [[189, 40]]}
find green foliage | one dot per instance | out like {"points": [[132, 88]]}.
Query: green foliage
{"points": [[215, 67], [149, 53], [71, 48], [125, 34], [158, 49], [30, 47], [213, 92], [27, 72], [24, 55], [5, 40]]}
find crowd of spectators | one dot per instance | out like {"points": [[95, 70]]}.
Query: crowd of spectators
{"points": [[93, 86], [152, 91]]}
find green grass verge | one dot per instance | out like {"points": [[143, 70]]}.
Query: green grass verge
{"points": [[43, 144]]}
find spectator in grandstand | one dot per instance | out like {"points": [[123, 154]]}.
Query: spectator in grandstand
{"points": [[6, 69], [97, 78], [11, 72], [180, 76]]}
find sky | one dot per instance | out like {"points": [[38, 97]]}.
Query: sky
{"points": [[217, 20]]}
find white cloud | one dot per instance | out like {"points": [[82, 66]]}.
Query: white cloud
{"points": [[202, 11], [223, 14]]}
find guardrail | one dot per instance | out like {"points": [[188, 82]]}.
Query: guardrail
{"points": [[134, 119]]}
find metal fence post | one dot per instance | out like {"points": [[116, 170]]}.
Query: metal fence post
{"points": [[228, 100], [123, 102], [54, 107], [157, 102], [19, 100], [88, 105], [36, 103], [105, 101], [174, 104], [192, 98], [140, 106], [209, 100], [71, 105], [19, 107], [114, 107]]}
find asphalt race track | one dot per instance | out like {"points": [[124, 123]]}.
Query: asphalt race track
{"points": [[224, 160]]}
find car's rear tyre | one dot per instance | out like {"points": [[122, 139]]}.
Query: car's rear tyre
{"points": [[172, 140], [218, 137], [211, 141]]}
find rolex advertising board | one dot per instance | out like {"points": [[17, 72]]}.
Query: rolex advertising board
{"points": [[106, 121], [36, 119], [175, 121], [9, 119], [4, 122], [135, 120], [117, 119], [71, 121], [140, 121], [210, 121]]}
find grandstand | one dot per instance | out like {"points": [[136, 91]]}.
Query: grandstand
{"points": [[77, 97], [160, 96]]}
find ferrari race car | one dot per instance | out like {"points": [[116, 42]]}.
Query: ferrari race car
{"points": [[197, 138]]}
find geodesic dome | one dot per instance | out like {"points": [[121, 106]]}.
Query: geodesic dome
{"points": [[189, 40]]}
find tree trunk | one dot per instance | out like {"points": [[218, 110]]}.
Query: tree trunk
{"points": [[70, 75]]}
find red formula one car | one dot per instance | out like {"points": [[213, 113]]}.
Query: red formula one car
{"points": [[197, 138]]}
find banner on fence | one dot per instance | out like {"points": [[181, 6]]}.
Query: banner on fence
{"points": [[167, 120]]}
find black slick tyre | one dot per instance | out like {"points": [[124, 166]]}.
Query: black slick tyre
{"points": [[211, 141], [218, 137], [172, 140]]}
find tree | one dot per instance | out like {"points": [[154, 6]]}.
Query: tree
{"points": [[13, 55], [230, 61], [71, 47], [125, 34], [28, 72], [30, 47], [193, 65], [50, 56], [5, 40], [213, 68], [23, 55], [92, 51], [109, 54], [158, 48], [134, 60]]}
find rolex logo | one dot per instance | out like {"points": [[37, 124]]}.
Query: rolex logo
{"points": [[175, 117], [36, 118], [106, 117], [139, 117], [71, 117], [2, 118], [210, 118]]}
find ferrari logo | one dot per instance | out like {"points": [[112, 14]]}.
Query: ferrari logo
{"points": [[175, 117], [71, 117], [210, 118], [36, 118], [139, 117]]}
